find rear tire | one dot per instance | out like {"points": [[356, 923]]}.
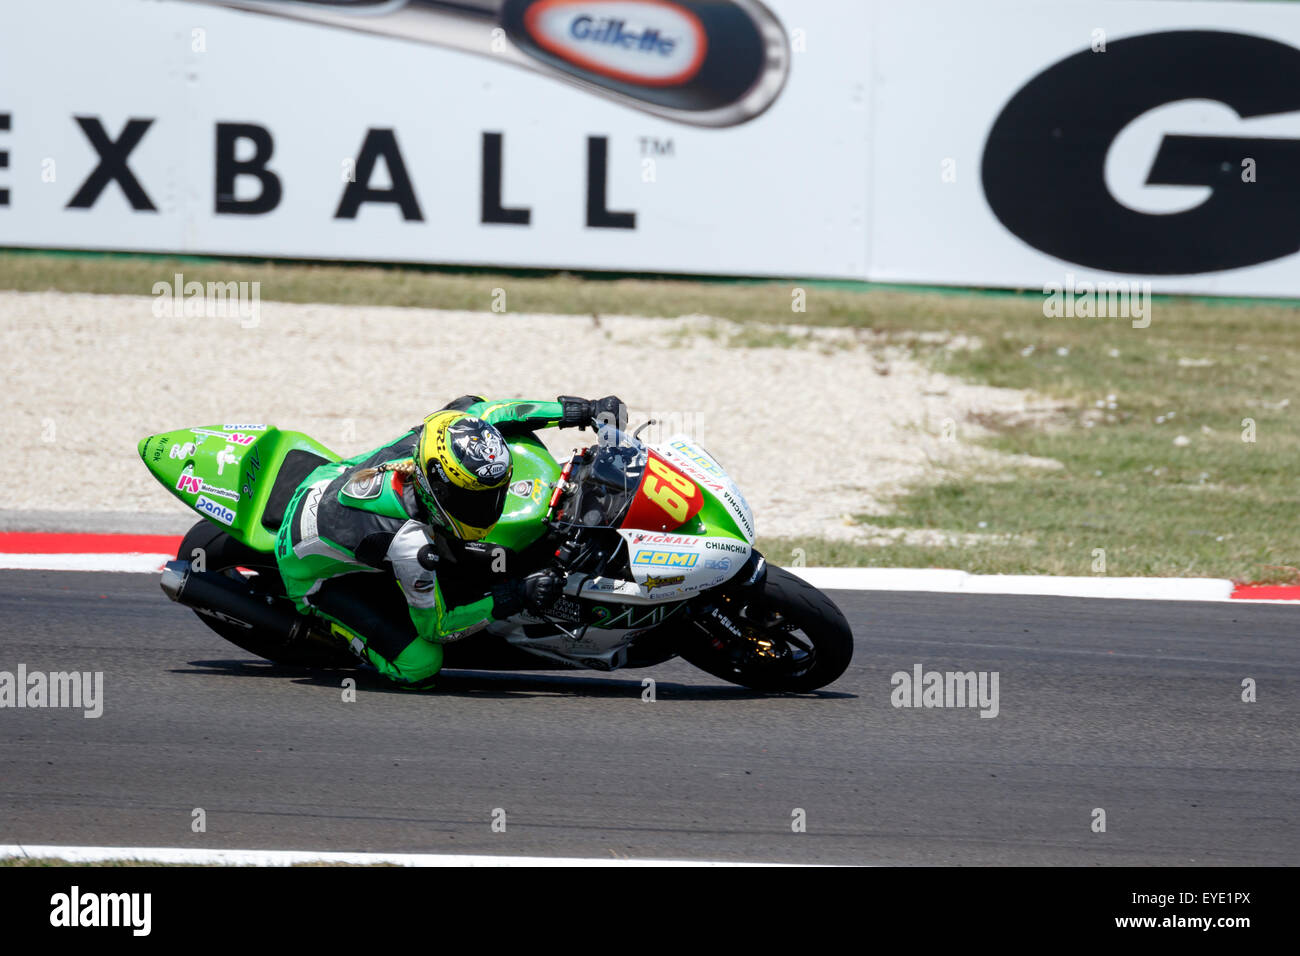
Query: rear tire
{"points": [[794, 639], [225, 555]]}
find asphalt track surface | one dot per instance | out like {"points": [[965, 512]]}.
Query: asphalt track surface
{"points": [[1132, 707]]}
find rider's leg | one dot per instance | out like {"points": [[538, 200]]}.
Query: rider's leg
{"points": [[372, 613]]}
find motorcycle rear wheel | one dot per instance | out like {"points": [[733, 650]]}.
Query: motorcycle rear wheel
{"points": [[225, 555]]}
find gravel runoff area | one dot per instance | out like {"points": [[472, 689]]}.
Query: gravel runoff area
{"points": [[815, 425]]}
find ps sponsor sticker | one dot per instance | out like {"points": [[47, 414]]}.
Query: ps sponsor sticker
{"points": [[642, 42], [191, 484]]}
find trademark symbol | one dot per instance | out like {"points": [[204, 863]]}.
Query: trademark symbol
{"points": [[654, 146]]}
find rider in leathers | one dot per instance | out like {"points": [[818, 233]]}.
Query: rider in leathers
{"points": [[376, 544]]}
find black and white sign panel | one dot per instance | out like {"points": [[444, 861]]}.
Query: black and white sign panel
{"points": [[725, 136]]}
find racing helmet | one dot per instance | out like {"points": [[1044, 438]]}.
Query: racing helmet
{"points": [[462, 473]]}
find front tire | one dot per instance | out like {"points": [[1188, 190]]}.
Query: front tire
{"points": [[792, 638]]}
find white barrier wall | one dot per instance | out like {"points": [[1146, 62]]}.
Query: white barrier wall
{"points": [[937, 141]]}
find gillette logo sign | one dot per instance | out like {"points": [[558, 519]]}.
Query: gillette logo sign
{"points": [[643, 42], [614, 32]]}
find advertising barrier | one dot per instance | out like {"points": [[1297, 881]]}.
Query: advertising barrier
{"points": [[1009, 144]]}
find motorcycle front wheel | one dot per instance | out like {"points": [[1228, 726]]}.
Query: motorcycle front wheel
{"points": [[788, 638]]}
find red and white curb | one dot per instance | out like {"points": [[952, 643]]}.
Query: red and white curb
{"points": [[147, 553], [205, 857]]}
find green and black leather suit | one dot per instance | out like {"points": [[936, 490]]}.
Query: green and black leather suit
{"points": [[363, 555]]}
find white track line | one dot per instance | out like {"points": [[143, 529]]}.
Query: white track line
{"points": [[838, 579], [961, 582], [130, 563], [99, 854]]}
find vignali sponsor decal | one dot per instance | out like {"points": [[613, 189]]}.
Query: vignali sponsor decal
{"points": [[642, 42], [652, 538], [215, 510]]}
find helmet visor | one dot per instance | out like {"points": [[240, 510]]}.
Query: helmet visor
{"points": [[470, 515]]}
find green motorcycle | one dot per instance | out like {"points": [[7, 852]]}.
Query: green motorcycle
{"points": [[655, 543]]}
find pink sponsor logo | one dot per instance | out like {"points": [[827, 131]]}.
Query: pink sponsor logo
{"points": [[190, 484]]}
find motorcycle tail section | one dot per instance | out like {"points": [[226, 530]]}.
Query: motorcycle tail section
{"points": [[228, 473]]}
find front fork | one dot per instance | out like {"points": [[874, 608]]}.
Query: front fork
{"points": [[720, 611]]}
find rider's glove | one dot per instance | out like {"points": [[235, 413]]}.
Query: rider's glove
{"points": [[536, 592], [542, 589], [579, 412]]}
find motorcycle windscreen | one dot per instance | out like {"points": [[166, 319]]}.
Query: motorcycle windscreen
{"points": [[665, 499]]}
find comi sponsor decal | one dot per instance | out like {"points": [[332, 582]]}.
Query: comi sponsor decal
{"points": [[667, 559], [642, 42], [214, 509]]}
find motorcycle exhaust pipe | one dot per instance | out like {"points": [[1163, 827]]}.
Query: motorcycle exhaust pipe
{"points": [[225, 599]]}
